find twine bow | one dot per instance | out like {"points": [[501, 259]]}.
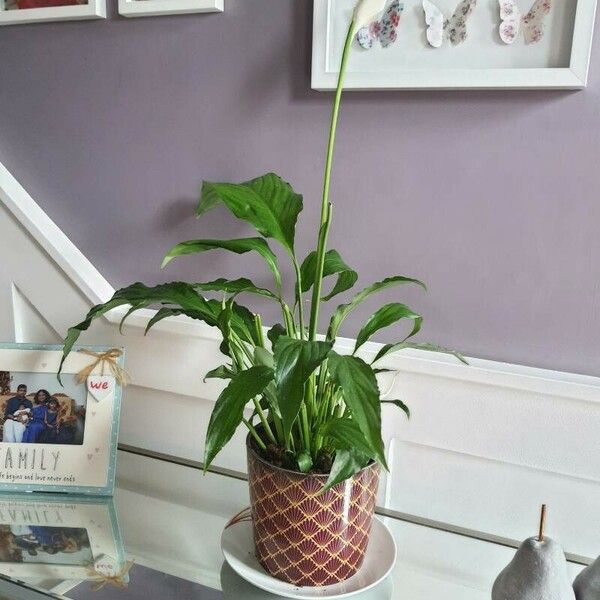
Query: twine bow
{"points": [[106, 360], [99, 580]]}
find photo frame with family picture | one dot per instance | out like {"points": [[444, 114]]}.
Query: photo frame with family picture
{"points": [[52, 536], [59, 436]]}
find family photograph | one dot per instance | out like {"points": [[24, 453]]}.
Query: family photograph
{"points": [[30, 414], [34, 543]]}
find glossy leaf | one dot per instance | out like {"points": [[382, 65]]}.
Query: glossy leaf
{"points": [[345, 434], [263, 357], [236, 317], [220, 372], [267, 202], [389, 348], [137, 295], [234, 286], [346, 464], [240, 319], [399, 404], [361, 394], [344, 310], [164, 313], [224, 323], [334, 265], [229, 408], [384, 317], [275, 333], [239, 246], [295, 360], [129, 313]]}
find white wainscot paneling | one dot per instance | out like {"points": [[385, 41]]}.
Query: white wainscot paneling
{"points": [[485, 446], [486, 455]]}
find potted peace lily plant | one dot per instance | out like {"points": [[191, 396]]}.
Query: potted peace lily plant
{"points": [[314, 441]]}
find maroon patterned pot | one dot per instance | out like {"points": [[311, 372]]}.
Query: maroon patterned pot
{"points": [[307, 538]]}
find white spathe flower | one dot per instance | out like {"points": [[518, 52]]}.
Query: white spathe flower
{"points": [[366, 11]]}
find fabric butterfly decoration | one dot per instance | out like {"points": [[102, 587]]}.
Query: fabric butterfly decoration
{"points": [[455, 27], [383, 30], [532, 23]]}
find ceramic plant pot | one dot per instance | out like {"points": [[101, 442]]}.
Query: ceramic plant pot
{"points": [[307, 538]]}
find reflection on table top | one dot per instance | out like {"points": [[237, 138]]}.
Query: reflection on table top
{"points": [[171, 517]]}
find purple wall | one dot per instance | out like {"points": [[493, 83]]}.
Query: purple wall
{"points": [[492, 198]]}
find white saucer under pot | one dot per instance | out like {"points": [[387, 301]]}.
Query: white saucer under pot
{"points": [[237, 545]]}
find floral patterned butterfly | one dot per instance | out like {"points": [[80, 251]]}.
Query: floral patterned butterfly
{"points": [[383, 30], [455, 27], [532, 23]]}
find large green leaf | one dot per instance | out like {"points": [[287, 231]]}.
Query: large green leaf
{"points": [[126, 316], [295, 360], [384, 317], [220, 372], [242, 322], [239, 246], [389, 348], [346, 464], [232, 315], [234, 286], [275, 333], [166, 313], [263, 357], [268, 203], [229, 408], [236, 318], [345, 434], [138, 296], [346, 277], [361, 394], [342, 311]]}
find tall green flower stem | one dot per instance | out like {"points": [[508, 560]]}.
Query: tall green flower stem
{"points": [[325, 204]]}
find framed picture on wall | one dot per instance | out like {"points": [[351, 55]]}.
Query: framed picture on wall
{"points": [[456, 44], [153, 8], [59, 437], [14, 12]]}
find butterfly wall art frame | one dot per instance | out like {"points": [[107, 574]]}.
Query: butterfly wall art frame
{"points": [[457, 44], [59, 436]]}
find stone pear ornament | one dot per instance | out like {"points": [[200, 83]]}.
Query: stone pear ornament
{"points": [[538, 571], [587, 583]]}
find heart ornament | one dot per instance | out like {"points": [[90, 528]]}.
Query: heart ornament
{"points": [[100, 386], [106, 565]]}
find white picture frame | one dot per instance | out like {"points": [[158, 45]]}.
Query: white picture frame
{"points": [[154, 8], [332, 16], [72, 449], [94, 9]]}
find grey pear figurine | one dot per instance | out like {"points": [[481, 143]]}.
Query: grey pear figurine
{"points": [[538, 571], [587, 583]]}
